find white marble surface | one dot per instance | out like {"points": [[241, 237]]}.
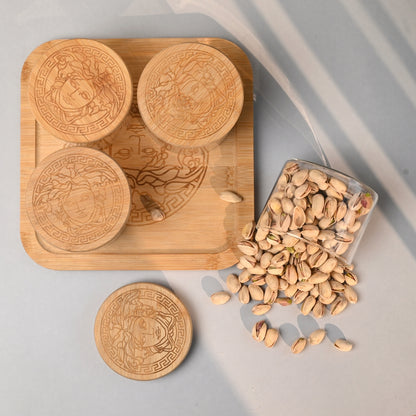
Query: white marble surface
{"points": [[351, 66]]}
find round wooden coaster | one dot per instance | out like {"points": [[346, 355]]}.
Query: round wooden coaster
{"points": [[190, 95], [80, 90], [78, 199], [143, 331]]}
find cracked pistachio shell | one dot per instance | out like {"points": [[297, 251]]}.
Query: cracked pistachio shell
{"points": [[318, 203], [338, 305], [303, 191], [261, 309], [318, 259], [259, 331], [291, 290], [271, 337], [319, 310], [350, 278], [244, 276], [300, 177], [329, 265], [317, 176], [219, 298], [308, 305], [249, 248], [298, 346], [291, 274], [300, 296], [317, 336], [338, 185], [248, 230], [269, 295], [343, 345]]}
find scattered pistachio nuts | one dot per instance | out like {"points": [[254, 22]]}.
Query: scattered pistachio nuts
{"points": [[343, 345], [317, 336], [219, 298], [298, 346], [230, 196]]}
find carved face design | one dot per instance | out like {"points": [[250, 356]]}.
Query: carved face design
{"points": [[75, 93], [135, 151], [147, 331], [79, 204], [193, 96]]}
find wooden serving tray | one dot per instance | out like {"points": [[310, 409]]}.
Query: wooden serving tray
{"points": [[200, 230]]}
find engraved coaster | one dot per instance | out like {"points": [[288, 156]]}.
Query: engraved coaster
{"points": [[78, 199], [190, 95], [80, 90], [143, 331]]}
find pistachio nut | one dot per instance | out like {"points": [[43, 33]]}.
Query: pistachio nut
{"points": [[219, 298], [298, 346], [256, 292], [338, 185], [248, 230], [343, 345], [318, 277], [233, 283], [259, 331], [269, 295], [307, 305], [230, 196], [300, 177], [299, 296], [317, 176], [350, 294], [329, 265], [271, 337], [338, 305], [244, 276], [244, 295], [319, 309], [283, 301], [305, 286], [317, 336], [272, 281], [261, 308], [325, 289], [249, 248]]}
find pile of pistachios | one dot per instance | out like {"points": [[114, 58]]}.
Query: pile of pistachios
{"points": [[294, 254]]}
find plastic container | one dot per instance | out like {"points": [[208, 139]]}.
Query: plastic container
{"points": [[319, 206]]}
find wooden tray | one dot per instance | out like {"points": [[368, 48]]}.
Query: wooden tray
{"points": [[200, 230]]}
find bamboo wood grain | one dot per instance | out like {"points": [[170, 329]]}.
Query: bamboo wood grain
{"points": [[143, 331], [200, 230], [78, 199], [190, 95]]}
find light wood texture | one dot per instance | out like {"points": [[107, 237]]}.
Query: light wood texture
{"points": [[143, 331], [80, 90], [78, 199], [200, 230], [190, 95]]}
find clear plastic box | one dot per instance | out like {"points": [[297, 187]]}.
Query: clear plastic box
{"points": [[318, 206]]}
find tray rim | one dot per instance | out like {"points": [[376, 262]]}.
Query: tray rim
{"points": [[123, 261]]}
